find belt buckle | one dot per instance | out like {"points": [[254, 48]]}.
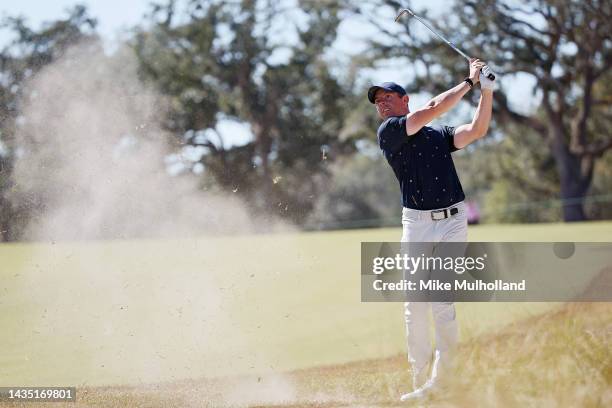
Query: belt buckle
{"points": [[435, 217]]}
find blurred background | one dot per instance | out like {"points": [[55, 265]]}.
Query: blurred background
{"points": [[143, 143], [265, 102]]}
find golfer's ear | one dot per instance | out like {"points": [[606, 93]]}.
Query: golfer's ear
{"points": [[406, 99]]}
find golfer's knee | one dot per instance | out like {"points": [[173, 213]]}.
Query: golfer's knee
{"points": [[443, 311]]}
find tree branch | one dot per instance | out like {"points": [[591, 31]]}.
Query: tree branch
{"points": [[595, 149], [605, 68], [505, 110], [579, 128]]}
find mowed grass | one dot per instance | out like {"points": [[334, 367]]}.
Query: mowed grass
{"points": [[248, 320], [558, 359]]}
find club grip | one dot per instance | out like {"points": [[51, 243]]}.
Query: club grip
{"points": [[486, 71]]}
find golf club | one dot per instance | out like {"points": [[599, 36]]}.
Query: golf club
{"points": [[486, 71]]}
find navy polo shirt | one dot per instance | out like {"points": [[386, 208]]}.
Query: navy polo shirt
{"points": [[422, 163]]}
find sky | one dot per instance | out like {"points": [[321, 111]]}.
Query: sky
{"points": [[117, 16], [112, 15]]}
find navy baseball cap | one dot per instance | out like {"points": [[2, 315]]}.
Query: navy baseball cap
{"points": [[387, 86]]}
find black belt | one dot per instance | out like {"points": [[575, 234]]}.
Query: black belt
{"points": [[438, 215]]}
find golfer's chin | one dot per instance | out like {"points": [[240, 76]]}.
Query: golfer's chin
{"points": [[385, 115]]}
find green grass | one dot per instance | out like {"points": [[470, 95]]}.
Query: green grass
{"points": [[148, 312], [558, 359]]}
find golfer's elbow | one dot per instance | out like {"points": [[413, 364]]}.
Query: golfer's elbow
{"points": [[475, 132], [478, 132]]}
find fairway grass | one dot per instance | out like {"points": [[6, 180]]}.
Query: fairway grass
{"points": [[263, 315], [558, 359]]}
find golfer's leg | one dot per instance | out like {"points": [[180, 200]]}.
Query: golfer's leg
{"points": [[445, 322], [443, 310], [416, 314], [446, 326], [418, 340]]}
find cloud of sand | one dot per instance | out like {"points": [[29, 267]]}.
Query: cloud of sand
{"points": [[92, 160], [92, 167]]}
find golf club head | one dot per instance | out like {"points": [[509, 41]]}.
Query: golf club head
{"points": [[402, 12]]}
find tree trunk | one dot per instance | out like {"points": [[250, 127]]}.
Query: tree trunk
{"points": [[572, 194], [574, 184]]}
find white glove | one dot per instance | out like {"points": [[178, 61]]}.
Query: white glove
{"points": [[486, 83]]}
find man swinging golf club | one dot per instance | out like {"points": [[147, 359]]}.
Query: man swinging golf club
{"points": [[432, 197]]}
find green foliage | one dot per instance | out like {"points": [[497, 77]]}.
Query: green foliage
{"points": [[601, 206], [29, 51], [225, 60], [361, 192], [269, 64], [505, 204], [565, 47]]}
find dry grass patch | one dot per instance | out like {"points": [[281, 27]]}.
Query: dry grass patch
{"points": [[559, 359]]}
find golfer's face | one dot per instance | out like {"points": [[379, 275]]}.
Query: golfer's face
{"points": [[390, 104]]}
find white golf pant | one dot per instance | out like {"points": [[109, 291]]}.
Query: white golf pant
{"points": [[419, 227]]}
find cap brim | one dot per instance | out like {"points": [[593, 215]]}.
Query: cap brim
{"points": [[372, 92]]}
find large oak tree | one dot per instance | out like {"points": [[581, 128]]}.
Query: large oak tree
{"points": [[563, 47]]}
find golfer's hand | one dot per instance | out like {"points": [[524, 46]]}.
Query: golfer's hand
{"points": [[475, 66], [486, 83]]}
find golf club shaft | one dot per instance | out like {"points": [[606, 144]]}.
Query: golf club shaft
{"points": [[450, 44], [486, 70]]}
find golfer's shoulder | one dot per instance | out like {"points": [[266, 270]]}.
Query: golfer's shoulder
{"points": [[392, 125]]}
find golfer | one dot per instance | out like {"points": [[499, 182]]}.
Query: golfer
{"points": [[432, 197]]}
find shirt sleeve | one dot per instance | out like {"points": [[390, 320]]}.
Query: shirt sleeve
{"points": [[449, 135], [392, 135]]}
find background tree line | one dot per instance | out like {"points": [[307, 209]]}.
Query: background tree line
{"points": [[313, 158]]}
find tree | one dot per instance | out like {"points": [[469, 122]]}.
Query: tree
{"points": [[564, 46], [361, 192], [26, 54], [238, 60]]}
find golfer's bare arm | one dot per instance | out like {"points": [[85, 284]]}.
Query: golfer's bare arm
{"points": [[466, 134], [434, 108], [443, 102]]}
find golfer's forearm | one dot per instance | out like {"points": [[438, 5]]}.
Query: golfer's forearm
{"points": [[435, 107], [482, 117], [446, 100]]}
